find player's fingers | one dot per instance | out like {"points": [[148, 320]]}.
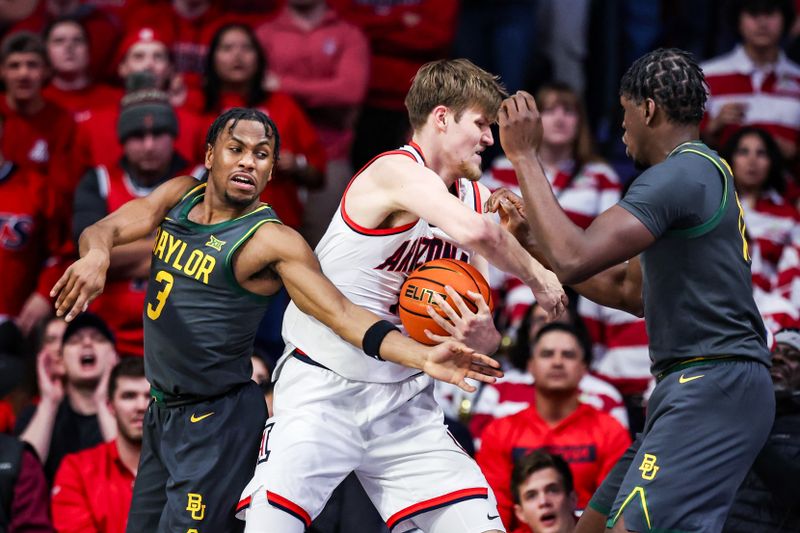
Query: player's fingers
{"points": [[465, 386], [480, 376], [66, 297], [458, 301], [480, 303], [485, 360], [59, 284], [80, 305], [441, 321], [447, 308], [438, 339]]}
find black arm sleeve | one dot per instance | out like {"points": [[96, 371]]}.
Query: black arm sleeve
{"points": [[89, 205]]}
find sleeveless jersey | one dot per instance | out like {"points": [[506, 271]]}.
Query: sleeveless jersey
{"points": [[122, 300], [199, 323], [368, 266]]}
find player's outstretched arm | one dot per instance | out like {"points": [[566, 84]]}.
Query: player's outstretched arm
{"points": [[314, 294], [574, 254], [83, 281], [619, 287], [415, 189]]}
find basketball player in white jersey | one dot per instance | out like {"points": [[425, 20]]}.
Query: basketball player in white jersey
{"points": [[337, 410]]}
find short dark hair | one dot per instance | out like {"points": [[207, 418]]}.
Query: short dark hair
{"points": [[65, 19], [129, 367], [759, 7], [775, 178], [244, 113], [21, 43], [535, 461], [673, 79], [582, 338]]}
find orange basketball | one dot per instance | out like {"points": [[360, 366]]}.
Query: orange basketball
{"points": [[417, 293]]}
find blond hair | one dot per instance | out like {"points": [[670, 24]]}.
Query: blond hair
{"points": [[456, 84]]}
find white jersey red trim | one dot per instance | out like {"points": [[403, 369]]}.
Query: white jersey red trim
{"points": [[369, 266]]}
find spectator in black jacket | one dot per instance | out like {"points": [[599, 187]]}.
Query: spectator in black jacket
{"points": [[768, 500]]}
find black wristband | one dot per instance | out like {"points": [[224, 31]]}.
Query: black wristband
{"points": [[371, 344]]}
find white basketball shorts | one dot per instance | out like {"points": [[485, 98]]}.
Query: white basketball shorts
{"points": [[392, 435]]}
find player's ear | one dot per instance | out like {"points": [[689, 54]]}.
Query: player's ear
{"points": [[209, 156], [649, 110], [440, 118]]}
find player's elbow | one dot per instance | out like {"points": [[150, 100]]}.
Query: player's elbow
{"points": [[570, 270]]}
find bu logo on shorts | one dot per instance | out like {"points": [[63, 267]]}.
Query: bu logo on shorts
{"points": [[196, 506], [649, 468]]}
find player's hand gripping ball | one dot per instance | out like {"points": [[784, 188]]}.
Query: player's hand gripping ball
{"points": [[417, 292]]}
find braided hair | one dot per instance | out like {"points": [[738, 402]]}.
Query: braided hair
{"points": [[673, 79], [242, 113]]}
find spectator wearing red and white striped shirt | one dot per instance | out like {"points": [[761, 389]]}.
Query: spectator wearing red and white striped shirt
{"points": [[755, 83], [771, 221]]}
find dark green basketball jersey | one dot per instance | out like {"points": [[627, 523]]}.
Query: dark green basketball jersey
{"points": [[697, 288], [199, 323]]}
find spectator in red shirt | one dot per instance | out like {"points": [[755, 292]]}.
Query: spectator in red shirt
{"points": [[102, 28], [404, 35], [32, 241], [71, 85], [146, 129], [323, 62], [92, 490], [589, 440], [236, 66], [72, 413], [145, 50], [190, 25], [544, 495], [43, 131]]}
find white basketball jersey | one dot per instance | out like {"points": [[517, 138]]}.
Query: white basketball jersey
{"points": [[368, 266]]}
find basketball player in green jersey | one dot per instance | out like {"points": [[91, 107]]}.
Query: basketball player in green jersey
{"points": [[219, 253], [681, 226]]}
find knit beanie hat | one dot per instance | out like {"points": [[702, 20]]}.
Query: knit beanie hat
{"points": [[145, 108]]}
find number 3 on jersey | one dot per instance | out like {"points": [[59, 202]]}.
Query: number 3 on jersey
{"points": [[166, 278]]}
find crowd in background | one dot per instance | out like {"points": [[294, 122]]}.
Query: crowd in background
{"points": [[104, 100]]}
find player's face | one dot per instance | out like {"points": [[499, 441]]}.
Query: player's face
{"points": [[467, 138], [240, 162], [68, 49], [24, 74], [152, 57], [149, 152], [544, 504], [633, 129], [557, 363], [559, 123], [761, 30], [235, 59], [750, 162], [129, 405], [86, 354], [785, 370]]}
